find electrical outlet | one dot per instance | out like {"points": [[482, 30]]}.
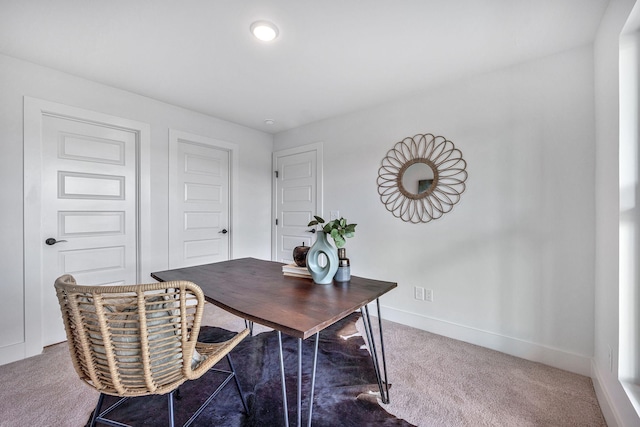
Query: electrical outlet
{"points": [[428, 295], [334, 215], [418, 293]]}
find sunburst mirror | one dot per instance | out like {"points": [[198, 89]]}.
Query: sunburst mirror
{"points": [[421, 178]]}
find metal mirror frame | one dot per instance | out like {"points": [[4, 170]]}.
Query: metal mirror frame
{"points": [[449, 176]]}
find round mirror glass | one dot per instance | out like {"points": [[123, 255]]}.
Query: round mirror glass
{"points": [[417, 178]]}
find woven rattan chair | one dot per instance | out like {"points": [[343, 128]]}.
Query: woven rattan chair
{"points": [[139, 340]]}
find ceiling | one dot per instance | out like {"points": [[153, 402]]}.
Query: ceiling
{"points": [[332, 56]]}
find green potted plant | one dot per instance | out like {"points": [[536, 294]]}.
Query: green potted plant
{"points": [[338, 229]]}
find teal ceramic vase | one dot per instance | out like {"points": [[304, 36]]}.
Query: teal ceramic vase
{"points": [[322, 275]]}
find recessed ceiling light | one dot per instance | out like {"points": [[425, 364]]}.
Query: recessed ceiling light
{"points": [[269, 122], [264, 30]]}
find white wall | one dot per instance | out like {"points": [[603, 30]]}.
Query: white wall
{"points": [[613, 400], [511, 267], [19, 79]]}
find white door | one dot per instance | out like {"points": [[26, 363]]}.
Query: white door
{"points": [[199, 214], [86, 185], [89, 206], [297, 198]]}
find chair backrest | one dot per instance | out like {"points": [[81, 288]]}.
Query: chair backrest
{"points": [[132, 340]]}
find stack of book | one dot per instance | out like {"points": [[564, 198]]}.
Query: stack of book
{"points": [[295, 271]]}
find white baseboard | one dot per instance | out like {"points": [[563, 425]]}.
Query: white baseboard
{"points": [[557, 358], [604, 398]]}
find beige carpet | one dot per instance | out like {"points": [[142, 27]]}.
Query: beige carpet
{"points": [[435, 381]]}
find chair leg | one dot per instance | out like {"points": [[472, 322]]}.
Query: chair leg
{"points": [[170, 402], [96, 411], [235, 377]]}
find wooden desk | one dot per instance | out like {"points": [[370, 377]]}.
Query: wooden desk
{"points": [[257, 291]]}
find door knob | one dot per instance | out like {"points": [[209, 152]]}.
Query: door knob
{"points": [[313, 230], [51, 241], [223, 231]]}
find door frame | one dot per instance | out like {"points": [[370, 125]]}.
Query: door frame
{"points": [[34, 110], [232, 148], [317, 147]]}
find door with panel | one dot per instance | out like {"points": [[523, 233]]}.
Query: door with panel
{"points": [[88, 202], [297, 198], [199, 201]]}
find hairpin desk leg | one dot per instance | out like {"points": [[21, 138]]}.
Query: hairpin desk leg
{"points": [[299, 414], [383, 384], [313, 378], [313, 381], [284, 386], [249, 324]]}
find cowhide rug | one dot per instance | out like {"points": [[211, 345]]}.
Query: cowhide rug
{"points": [[345, 389]]}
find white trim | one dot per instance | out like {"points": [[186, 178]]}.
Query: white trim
{"points": [[605, 400], [144, 200], [628, 363], [232, 148], [32, 228], [633, 393], [557, 358], [34, 109], [317, 147]]}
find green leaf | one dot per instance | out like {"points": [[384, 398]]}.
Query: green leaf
{"points": [[312, 223], [339, 229]]}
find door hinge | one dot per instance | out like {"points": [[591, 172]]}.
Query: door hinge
{"points": [[276, 221], [276, 172]]}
